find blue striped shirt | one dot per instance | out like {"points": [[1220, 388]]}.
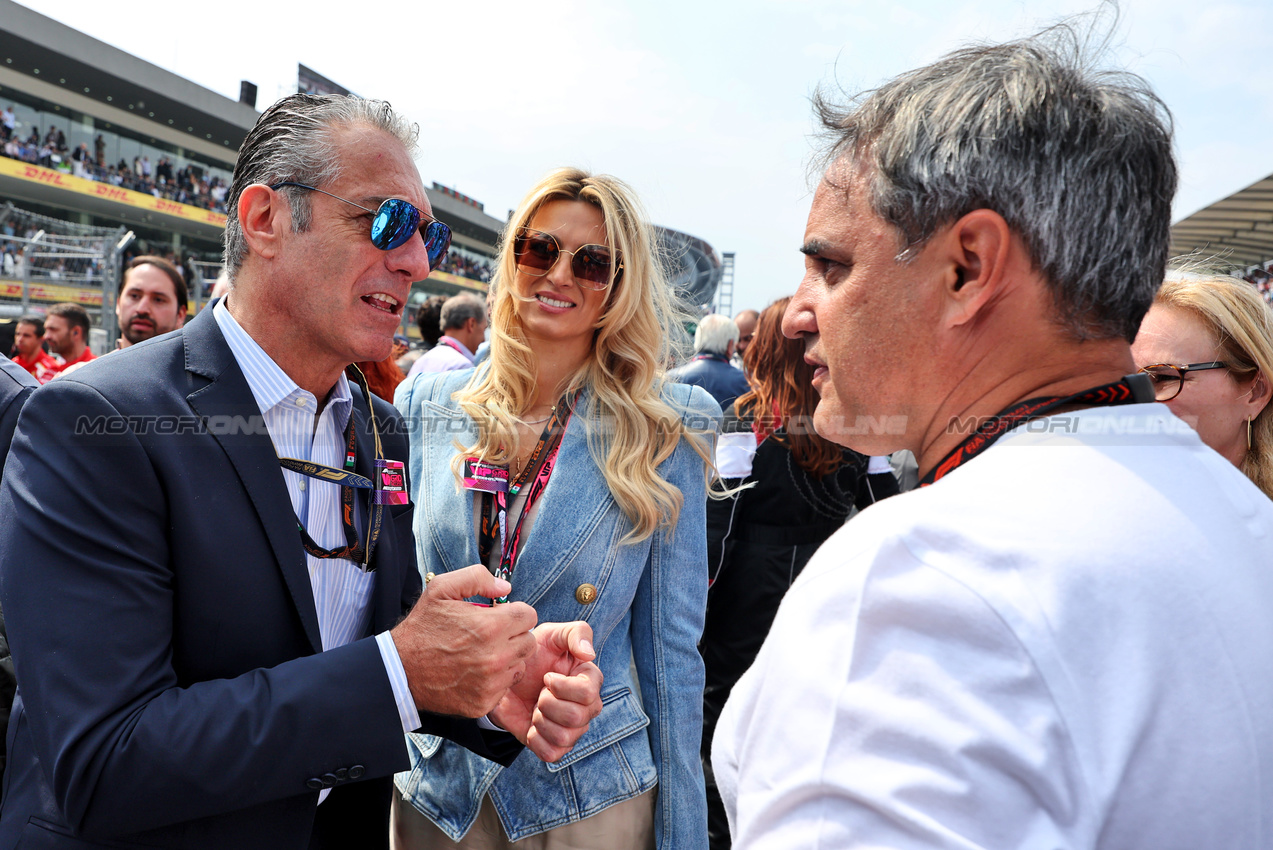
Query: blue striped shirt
{"points": [[342, 591]]}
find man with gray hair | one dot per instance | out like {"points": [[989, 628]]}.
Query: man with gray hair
{"points": [[463, 324], [217, 655], [1064, 640], [714, 342]]}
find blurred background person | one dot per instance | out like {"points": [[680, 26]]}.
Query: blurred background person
{"points": [[153, 300], [791, 491], [66, 329], [463, 323], [604, 518], [709, 368], [746, 321], [28, 347], [1208, 344], [429, 321]]}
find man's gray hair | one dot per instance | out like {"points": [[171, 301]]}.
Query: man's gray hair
{"points": [[714, 334], [458, 309], [1077, 161], [292, 141]]}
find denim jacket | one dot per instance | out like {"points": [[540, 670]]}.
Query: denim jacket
{"points": [[649, 609]]}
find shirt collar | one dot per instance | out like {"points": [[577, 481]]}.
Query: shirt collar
{"points": [[457, 345], [270, 385]]}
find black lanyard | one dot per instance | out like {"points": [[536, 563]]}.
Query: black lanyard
{"points": [[1130, 389], [349, 481], [495, 505]]}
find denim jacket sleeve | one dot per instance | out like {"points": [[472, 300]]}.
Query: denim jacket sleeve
{"points": [[667, 621]]}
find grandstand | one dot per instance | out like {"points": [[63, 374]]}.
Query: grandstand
{"points": [[694, 266], [96, 144]]}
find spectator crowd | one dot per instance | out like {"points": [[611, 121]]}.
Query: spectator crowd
{"points": [[187, 184]]}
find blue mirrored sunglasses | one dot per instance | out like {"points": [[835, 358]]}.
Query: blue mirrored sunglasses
{"points": [[395, 222]]}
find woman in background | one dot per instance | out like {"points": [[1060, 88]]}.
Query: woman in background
{"points": [[791, 490], [568, 465], [1208, 344]]}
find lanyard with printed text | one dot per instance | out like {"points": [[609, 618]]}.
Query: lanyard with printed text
{"points": [[389, 488], [495, 505], [1131, 389]]}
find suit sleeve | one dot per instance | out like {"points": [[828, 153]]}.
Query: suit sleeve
{"points": [[88, 590]]}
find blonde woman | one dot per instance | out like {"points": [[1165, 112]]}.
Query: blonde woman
{"points": [[568, 465], [1208, 344]]}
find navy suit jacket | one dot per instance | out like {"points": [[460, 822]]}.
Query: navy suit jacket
{"points": [[172, 690], [16, 384], [713, 373]]}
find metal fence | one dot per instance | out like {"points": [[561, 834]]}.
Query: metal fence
{"points": [[46, 261]]}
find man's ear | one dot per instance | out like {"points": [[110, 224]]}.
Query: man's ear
{"points": [[975, 252], [263, 217]]}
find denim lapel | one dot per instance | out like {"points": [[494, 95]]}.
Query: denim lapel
{"points": [[573, 503]]}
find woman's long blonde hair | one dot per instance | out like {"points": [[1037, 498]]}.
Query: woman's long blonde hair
{"points": [[1242, 325], [631, 429]]}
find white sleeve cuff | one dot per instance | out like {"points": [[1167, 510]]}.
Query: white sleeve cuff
{"points": [[398, 682]]}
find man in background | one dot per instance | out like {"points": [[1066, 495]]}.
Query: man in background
{"points": [[746, 321], [66, 329], [153, 300], [714, 341], [28, 342], [463, 322]]}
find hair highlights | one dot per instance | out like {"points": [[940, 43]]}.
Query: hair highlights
{"points": [[623, 377]]}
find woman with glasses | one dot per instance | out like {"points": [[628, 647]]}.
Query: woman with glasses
{"points": [[1208, 345], [567, 464]]}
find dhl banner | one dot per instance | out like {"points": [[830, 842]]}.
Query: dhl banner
{"points": [[447, 277], [52, 293], [118, 194]]}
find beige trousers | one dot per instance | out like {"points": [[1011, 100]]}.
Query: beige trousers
{"points": [[624, 826]]}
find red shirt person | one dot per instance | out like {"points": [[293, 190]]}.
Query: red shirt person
{"points": [[66, 332], [27, 340]]}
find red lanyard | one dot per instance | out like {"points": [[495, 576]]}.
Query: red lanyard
{"points": [[537, 472], [1131, 389]]}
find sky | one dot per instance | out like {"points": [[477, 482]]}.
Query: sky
{"points": [[702, 107]]}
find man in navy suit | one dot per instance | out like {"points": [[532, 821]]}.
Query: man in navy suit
{"points": [[16, 385], [210, 647]]}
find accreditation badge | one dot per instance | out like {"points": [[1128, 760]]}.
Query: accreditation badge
{"points": [[485, 477], [393, 483]]}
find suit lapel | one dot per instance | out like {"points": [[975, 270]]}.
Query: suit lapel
{"points": [[228, 399]]}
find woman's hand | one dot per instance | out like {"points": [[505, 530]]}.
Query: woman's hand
{"points": [[552, 705]]}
